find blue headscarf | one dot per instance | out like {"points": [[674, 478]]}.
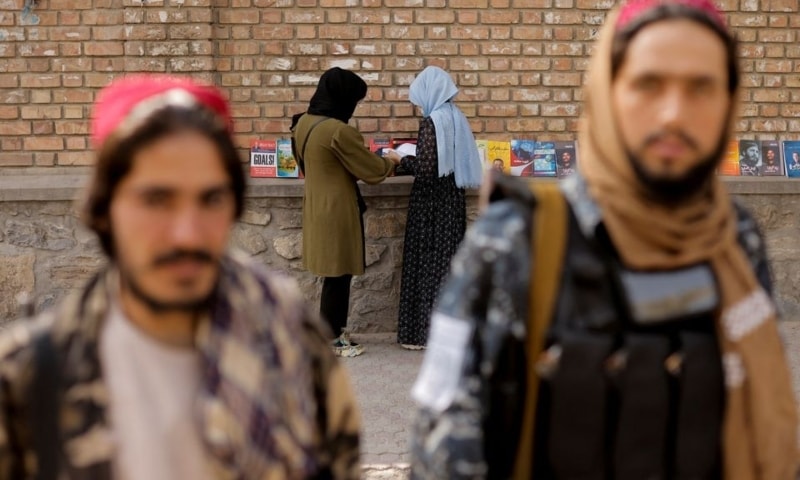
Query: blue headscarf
{"points": [[432, 90]]}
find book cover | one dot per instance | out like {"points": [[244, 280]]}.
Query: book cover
{"points": [[287, 165], [396, 142], [791, 157], [378, 145], [729, 166], [497, 155], [522, 157], [566, 158], [544, 159], [771, 156], [263, 158], [749, 157], [483, 153]]}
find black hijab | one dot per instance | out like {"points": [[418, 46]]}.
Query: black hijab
{"points": [[338, 93]]}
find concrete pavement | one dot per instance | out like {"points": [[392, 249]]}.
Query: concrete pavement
{"points": [[382, 380]]}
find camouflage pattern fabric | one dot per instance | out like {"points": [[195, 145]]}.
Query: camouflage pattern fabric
{"points": [[275, 403], [486, 297]]}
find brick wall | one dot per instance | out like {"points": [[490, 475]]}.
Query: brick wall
{"points": [[519, 63]]}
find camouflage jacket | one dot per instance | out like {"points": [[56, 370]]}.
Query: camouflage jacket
{"points": [[274, 403], [467, 426]]}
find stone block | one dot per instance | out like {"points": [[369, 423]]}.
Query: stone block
{"points": [[385, 225], [374, 253], [38, 234], [18, 278], [289, 247], [249, 239]]}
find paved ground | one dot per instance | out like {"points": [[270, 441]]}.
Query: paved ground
{"points": [[382, 379]]}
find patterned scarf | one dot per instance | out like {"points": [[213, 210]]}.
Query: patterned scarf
{"points": [[760, 423]]}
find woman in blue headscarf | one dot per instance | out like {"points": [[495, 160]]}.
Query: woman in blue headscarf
{"points": [[446, 163]]}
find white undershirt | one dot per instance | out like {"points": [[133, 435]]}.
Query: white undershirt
{"points": [[152, 388]]}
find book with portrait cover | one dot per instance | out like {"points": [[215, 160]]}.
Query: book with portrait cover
{"points": [[729, 166], [566, 158], [771, 158], [791, 157], [495, 154], [263, 158], [522, 157], [544, 159], [287, 165], [749, 158]]}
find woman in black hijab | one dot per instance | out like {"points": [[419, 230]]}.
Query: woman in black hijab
{"points": [[333, 157]]}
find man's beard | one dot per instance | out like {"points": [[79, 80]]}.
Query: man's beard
{"points": [[192, 305], [676, 190]]}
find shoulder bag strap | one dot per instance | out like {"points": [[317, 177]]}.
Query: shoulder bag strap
{"points": [[549, 241], [44, 403], [301, 159]]}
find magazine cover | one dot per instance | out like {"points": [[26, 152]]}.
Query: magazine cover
{"points": [[522, 157], [791, 157], [749, 157], [771, 157], [544, 159], [566, 158], [287, 166], [263, 158], [730, 162]]}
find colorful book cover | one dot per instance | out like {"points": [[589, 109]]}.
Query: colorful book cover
{"points": [[544, 159], [566, 158], [730, 162], [522, 157], [263, 158], [287, 165], [791, 157], [378, 145], [749, 157], [498, 156], [771, 156]]}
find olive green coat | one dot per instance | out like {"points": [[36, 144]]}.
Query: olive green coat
{"points": [[335, 159]]}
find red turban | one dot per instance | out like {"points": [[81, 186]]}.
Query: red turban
{"points": [[634, 8], [116, 101]]}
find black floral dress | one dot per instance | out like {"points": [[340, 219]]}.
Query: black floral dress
{"points": [[437, 219]]}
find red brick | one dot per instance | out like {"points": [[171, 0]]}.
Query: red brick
{"points": [[16, 128], [74, 158], [8, 159], [8, 113], [303, 16], [43, 143]]}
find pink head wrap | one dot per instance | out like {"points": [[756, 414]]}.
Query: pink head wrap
{"points": [[634, 8], [117, 101]]}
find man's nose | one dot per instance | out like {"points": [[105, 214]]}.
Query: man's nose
{"points": [[186, 228], [674, 108]]}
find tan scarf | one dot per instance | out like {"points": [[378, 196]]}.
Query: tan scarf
{"points": [[760, 436]]}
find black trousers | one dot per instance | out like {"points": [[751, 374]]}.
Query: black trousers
{"points": [[334, 302]]}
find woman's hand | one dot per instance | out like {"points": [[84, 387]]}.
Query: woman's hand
{"points": [[392, 156]]}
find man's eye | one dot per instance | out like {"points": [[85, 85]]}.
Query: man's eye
{"points": [[155, 199], [646, 84], [216, 199]]}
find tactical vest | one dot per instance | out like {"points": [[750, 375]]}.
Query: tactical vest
{"points": [[631, 381]]}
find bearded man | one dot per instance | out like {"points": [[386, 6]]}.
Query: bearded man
{"points": [[655, 352]]}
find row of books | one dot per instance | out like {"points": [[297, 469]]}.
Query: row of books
{"points": [[769, 158], [534, 158]]}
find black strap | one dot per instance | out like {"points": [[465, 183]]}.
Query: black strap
{"points": [[44, 402], [301, 158]]}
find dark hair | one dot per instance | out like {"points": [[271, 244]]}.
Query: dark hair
{"points": [[623, 37], [115, 160]]}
